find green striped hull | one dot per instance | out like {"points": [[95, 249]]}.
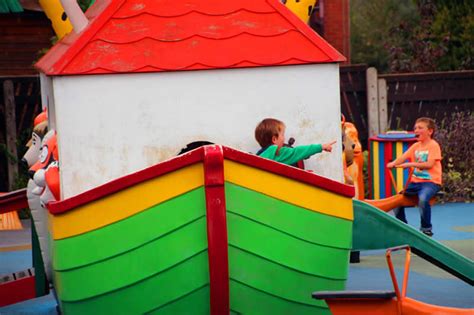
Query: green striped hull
{"points": [[279, 253], [157, 260]]}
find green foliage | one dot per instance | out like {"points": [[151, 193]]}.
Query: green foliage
{"points": [[371, 22], [412, 46], [454, 24], [413, 35], [85, 4], [365, 172], [454, 137]]}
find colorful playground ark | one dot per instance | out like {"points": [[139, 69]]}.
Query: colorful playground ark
{"points": [[209, 231], [127, 227], [213, 74]]}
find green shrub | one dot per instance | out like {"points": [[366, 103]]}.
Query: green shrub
{"points": [[454, 136]]}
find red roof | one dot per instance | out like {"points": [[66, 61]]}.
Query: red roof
{"points": [[126, 36]]}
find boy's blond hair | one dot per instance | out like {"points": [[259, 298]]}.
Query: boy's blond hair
{"points": [[430, 123], [266, 130]]}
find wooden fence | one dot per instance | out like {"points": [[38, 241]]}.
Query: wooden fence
{"points": [[20, 102], [22, 36], [434, 95], [353, 87], [399, 99]]}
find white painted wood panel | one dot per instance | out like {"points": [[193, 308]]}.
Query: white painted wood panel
{"points": [[112, 125]]}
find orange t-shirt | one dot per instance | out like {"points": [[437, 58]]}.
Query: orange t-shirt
{"points": [[419, 152]]}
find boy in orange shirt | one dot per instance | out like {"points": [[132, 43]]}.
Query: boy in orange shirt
{"points": [[425, 157]]}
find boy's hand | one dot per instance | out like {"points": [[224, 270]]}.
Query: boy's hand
{"points": [[390, 165], [328, 146], [405, 165]]}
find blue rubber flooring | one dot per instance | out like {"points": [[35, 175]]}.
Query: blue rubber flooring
{"points": [[451, 222]]}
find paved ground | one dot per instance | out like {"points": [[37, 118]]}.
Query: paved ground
{"points": [[453, 226]]}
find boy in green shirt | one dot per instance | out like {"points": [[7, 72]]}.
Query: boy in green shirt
{"points": [[270, 134]]}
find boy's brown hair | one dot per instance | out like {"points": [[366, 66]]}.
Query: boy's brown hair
{"points": [[266, 130], [430, 123]]}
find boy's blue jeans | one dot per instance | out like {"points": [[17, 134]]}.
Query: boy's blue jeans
{"points": [[424, 191]]}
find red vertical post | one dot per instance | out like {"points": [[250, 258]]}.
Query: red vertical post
{"points": [[388, 172], [216, 229]]}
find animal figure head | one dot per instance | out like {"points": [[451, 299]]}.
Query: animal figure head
{"points": [[48, 154], [348, 145], [45, 172], [34, 145], [352, 133]]}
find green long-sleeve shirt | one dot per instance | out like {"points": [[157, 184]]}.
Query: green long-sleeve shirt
{"points": [[290, 156]]}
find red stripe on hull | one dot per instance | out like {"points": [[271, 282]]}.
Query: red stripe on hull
{"points": [[216, 229], [388, 158]]}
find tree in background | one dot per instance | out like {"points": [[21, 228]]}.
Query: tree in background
{"points": [[454, 24], [85, 4], [413, 47], [371, 22], [454, 137], [413, 35], [442, 40]]}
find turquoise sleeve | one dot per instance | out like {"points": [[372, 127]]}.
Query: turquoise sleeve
{"points": [[292, 155]]}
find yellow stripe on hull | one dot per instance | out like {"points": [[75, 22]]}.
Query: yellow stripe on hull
{"points": [[288, 190], [125, 203]]}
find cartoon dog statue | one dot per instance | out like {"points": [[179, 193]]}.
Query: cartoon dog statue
{"points": [[38, 157], [347, 154], [352, 157], [355, 169]]}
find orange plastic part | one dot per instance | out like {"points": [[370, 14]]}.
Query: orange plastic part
{"points": [[9, 204], [399, 200], [43, 116], [400, 305], [393, 202], [362, 306], [10, 221]]}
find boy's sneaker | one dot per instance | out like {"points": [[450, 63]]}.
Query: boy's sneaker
{"points": [[429, 233]]}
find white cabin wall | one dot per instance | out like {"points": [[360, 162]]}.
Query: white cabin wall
{"points": [[112, 125]]}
